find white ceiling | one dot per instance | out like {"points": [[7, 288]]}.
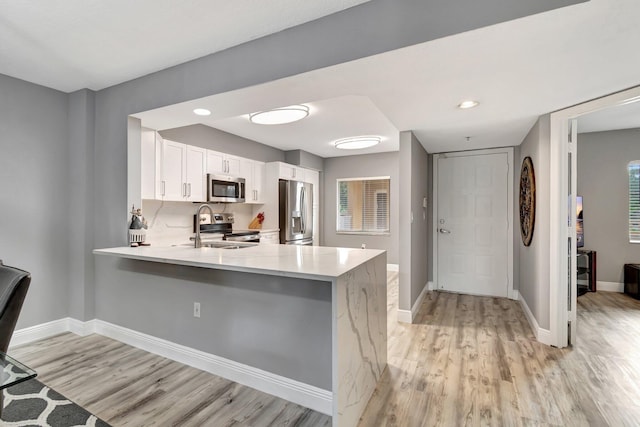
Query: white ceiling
{"points": [[626, 116], [75, 44], [518, 70]]}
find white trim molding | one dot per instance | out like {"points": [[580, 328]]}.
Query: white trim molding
{"points": [[38, 332], [542, 335], [408, 316], [559, 185], [285, 388], [609, 286]]}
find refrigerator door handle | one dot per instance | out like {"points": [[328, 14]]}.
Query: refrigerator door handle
{"points": [[303, 212]]}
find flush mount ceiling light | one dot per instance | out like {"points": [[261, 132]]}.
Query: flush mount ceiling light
{"points": [[280, 116], [202, 112], [357, 142], [468, 104]]}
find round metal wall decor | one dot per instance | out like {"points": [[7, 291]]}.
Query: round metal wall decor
{"points": [[527, 200]]}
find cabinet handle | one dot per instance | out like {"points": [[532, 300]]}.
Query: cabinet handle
{"points": [[256, 191], [184, 189], [163, 188], [189, 187]]}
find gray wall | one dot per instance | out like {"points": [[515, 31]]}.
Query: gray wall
{"points": [[304, 159], [215, 139], [81, 129], [35, 184], [307, 47], [603, 183], [278, 324], [414, 176], [362, 166], [534, 259]]}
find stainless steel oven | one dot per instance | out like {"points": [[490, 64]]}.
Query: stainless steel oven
{"points": [[224, 188]]}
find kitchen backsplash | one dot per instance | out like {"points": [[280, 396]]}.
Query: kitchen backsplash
{"points": [[172, 222]]}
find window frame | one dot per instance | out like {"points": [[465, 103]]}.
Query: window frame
{"points": [[364, 232], [633, 219]]}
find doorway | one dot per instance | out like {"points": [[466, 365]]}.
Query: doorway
{"points": [[563, 282], [473, 227]]}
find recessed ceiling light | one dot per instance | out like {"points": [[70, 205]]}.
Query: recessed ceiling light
{"points": [[202, 112], [280, 116], [468, 104], [357, 142]]}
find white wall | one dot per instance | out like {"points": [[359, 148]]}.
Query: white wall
{"points": [[534, 259]]}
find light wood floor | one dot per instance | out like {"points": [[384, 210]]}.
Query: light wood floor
{"points": [[466, 361], [474, 361]]}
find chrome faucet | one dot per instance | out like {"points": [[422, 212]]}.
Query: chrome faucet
{"points": [[198, 241]]}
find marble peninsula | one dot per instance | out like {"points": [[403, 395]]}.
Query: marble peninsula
{"points": [[305, 323]]}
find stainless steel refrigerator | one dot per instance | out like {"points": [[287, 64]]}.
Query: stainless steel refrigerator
{"points": [[296, 212]]}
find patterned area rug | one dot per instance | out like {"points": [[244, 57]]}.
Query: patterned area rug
{"points": [[31, 404]]}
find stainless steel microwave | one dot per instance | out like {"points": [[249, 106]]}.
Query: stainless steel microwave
{"points": [[224, 188]]}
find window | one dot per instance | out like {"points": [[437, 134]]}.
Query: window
{"points": [[634, 201], [363, 205]]}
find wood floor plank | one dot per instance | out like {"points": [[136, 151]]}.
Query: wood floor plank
{"points": [[466, 361]]}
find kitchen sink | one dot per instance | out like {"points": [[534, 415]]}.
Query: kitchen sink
{"points": [[228, 245]]}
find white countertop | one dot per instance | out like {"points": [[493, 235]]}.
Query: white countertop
{"points": [[319, 262]]}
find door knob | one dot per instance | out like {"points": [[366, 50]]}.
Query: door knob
{"points": [[444, 231]]}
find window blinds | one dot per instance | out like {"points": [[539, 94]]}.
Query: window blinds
{"points": [[363, 205], [634, 201]]}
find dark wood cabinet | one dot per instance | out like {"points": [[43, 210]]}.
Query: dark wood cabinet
{"points": [[631, 276], [587, 267]]}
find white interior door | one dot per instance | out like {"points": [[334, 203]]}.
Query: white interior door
{"points": [[472, 225]]}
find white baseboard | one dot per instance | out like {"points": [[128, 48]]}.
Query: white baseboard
{"points": [[393, 267], [294, 391], [404, 316], [542, 335], [38, 332], [609, 286], [408, 316]]}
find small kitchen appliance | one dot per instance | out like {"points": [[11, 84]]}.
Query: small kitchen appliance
{"points": [[225, 189]]}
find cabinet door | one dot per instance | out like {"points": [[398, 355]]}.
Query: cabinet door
{"points": [[215, 162], [246, 172], [258, 181], [195, 173], [173, 162], [290, 172], [148, 166], [233, 165]]}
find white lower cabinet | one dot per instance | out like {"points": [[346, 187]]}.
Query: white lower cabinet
{"points": [[270, 237]]}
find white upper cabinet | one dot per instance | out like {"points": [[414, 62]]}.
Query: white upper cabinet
{"points": [[174, 158], [221, 163], [253, 172], [151, 168], [183, 169], [195, 174], [291, 172]]}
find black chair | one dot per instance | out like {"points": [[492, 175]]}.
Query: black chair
{"points": [[14, 284]]}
